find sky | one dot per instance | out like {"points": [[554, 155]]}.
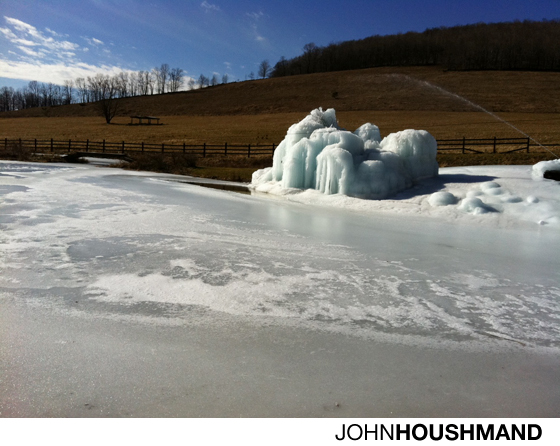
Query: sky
{"points": [[57, 40]]}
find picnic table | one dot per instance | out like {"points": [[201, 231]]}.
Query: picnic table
{"points": [[144, 118]]}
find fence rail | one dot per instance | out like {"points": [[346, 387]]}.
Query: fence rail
{"points": [[87, 146], [463, 145], [492, 145]]}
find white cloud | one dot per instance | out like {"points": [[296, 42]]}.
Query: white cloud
{"points": [[257, 35], [30, 36], [54, 33], [8, 33], [209, 6], [255, 15], [56, 73], [30, 52], [46, 58], [22, 26], [93, 41]]}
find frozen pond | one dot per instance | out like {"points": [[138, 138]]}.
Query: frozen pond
{"points": [[128, 294]]}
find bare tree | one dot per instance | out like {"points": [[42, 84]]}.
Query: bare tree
{"points": [[202, 81], [156, 80], [214, 80], [82, 89], [33, 87], [123, 84], [150, 81], [6, 97], [109, 104], [141, 87], [50, 94], [176, 79], [310, 55], [161, 75], [68, 87], [225, 79], [191, 83], [264, 69]]}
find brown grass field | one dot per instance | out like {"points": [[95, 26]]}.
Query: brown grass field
{"points": [[271, 128], [260, 112]]}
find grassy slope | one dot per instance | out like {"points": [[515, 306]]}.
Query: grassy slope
{"points": [[370, 89]]}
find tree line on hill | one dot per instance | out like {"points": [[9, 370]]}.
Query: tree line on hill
{"points": [[527, 45], [102, 87]]}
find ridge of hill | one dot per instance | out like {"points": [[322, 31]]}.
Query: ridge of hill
{"points": [[386, 88], [528, 45]]}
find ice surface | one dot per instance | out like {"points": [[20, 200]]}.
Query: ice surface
{"points": [[123, 242], [317, 154], [141, 256]]}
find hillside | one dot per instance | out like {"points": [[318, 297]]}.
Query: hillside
{"points": [[386, 88]]}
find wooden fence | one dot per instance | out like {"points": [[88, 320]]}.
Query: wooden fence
{"points": [[488, 145], [87, 146], [463, 145]]}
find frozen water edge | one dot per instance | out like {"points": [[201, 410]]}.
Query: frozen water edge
{"points": [[88, 247]]}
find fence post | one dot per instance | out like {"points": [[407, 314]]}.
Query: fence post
{"points": [[5, 143], [463, 144], [528, 143], [494, 145], [273, 148], [69, 145], [35, 145], [249, 151], [225, 149], [142, 146], [87, 145], [183, 148], [162, 147], [20, 144], [52, 146], [204, 151], [103, 146]]}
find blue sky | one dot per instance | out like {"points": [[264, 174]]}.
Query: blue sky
{"points": [[54, 40]]}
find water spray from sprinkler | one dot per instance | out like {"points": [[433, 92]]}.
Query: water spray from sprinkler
{"points": [[472, 104]]}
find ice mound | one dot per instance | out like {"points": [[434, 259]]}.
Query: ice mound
{"points": [[317, 154], [474, 206], [442, 199], [539, 169], [491, 188]]}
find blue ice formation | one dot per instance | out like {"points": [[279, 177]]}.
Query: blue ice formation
{"points": [[317, 154]]}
